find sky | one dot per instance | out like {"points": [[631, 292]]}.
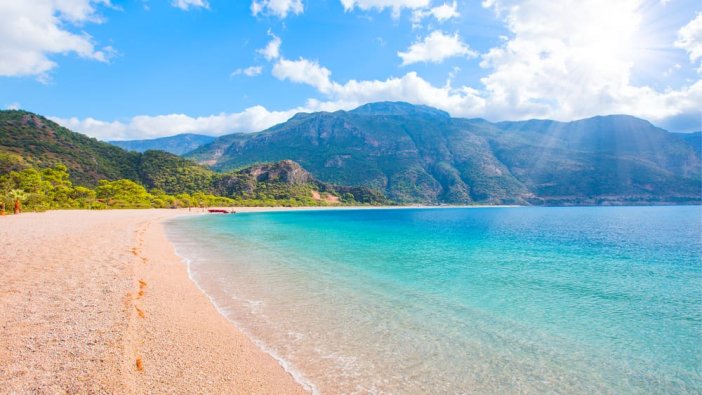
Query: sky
{"points": [[138, 69]]}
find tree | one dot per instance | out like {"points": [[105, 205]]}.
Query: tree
{"points": [[123, 194], [347, 198], [57, 188], [84, 196], [185, 200]]}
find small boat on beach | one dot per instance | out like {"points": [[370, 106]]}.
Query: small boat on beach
{"points": [[220, 211]]}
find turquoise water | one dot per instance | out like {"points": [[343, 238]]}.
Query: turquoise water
{"points": [[493, 300]]}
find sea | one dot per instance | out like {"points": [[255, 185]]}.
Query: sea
{"points": [[528, 300]]}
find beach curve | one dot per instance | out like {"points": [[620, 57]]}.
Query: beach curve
{"points": [[98, 301]]}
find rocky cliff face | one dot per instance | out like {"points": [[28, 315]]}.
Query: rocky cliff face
{"points": [[285, 171]]}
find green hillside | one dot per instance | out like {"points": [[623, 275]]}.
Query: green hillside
{"points": [[31, 146], [28, 139]]}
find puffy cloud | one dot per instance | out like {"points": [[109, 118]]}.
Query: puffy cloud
{"points": [[13, 106], [304, 71], [463, 101], [95, 128], [251, 71], [445, 11], [145, 126], [188, 4], [272, 49], [441, 13], [435, 48], [33, 30], [279, 8], [690, 39], [573, 59], [395, 5]]}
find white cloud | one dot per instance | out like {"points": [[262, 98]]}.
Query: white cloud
{"points": [[463, 101], [304, 71], [445, 11], [435, 48], [279, 8], [251, 71], [145, 126], [690, 39], [188, 4], [94, 128], [13, 106], [412, 88], [441, 13], [31, 31], [272, 49], [573, 59], [395, 5]]}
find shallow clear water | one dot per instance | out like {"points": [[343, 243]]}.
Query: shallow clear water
{"points": [[494, 300]]}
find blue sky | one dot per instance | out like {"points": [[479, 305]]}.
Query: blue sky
{"points": [[148, 68]]}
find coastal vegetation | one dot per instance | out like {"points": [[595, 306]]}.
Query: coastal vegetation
{"points": [[41, 189], [51, 188]]}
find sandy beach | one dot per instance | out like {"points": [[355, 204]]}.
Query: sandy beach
{"points": [[98, 302]]}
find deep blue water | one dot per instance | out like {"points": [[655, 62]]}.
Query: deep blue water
{"points": [[492, 300]]}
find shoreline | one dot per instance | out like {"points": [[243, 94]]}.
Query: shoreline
{"points": [[348, 208], [99, 301], [286, 365]]}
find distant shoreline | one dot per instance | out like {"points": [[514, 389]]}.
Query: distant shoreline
{"points": [[324, 208]]}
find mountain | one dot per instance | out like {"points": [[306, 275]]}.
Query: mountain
{"points": [[600, 159], [414, 155], [420, 154], [178, 144], [30, 140], [694, 139]]}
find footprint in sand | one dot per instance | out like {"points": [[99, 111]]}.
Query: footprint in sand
{"points": [[142, 285]]}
